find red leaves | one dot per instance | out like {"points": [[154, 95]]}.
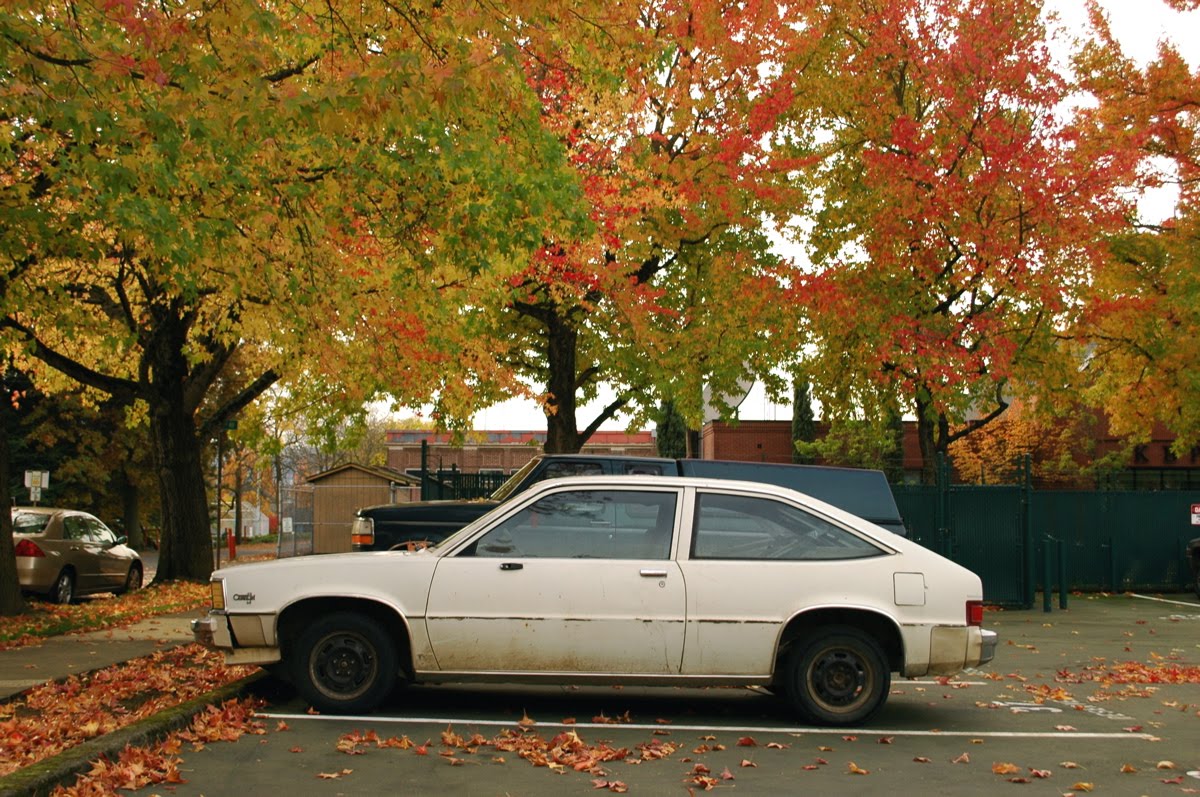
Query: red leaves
{"points": [[55, 716], [99, 613]]}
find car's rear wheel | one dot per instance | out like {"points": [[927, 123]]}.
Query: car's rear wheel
{"points": [[133, 579], [344, 663], [837, 676], [63, 590], [1196, 581]]}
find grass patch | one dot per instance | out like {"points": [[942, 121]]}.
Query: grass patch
{"points": [[94, 614]]}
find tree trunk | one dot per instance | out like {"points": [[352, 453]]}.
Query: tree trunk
{"points": [[925, 436], [187, 548], [562, 431], [11, 602], [131, 520]]}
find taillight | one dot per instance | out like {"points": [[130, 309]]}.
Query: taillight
{"points": [[362, 532], [28, 548], [974, 612]]}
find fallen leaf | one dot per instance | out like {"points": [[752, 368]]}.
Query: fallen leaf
{"points": [[1005, 769], [855, 769], [1128, 769], [962, 759]]}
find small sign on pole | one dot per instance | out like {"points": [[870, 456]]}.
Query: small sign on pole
{"points": [[36, 480], [1196, 514]]}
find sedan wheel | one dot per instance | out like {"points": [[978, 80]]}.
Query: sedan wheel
{"points": [[838, 676], [63, 590], [133, 580], [344, 663]]}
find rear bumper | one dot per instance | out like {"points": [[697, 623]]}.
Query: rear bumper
{"points": [[987, 645]]}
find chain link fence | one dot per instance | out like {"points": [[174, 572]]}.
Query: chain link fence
{"points": [[296, 521]]}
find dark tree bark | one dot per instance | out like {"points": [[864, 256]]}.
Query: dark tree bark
{"points": [[11, 602]]}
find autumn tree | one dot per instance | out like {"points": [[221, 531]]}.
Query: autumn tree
{"points": [[961, 212], [11, 602], [672, 139], [186, 183], [1140, 334]]}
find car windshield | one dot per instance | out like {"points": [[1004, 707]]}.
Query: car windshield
{"points": [[29, 522], [505, 490]]}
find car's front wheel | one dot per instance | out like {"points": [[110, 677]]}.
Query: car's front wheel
{"points": [[837, 676], [344, 663], [133, 580]]}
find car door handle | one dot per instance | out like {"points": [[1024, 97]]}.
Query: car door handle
{"points": [[650, 572], [511, 565]]}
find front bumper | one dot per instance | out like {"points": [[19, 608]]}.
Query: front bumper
{"points": [[214, 632]]}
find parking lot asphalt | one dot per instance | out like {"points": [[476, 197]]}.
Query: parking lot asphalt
{"points": [[1103, 697]]}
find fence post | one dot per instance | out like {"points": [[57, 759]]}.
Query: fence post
{"points": [[943, 505], [1026, 521], [1062, 574], [1046, 589], [424, 470]]}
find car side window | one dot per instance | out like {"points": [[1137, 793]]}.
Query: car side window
{"points": [[75, 527], [745, 527], [100, 533], [592, 524]]}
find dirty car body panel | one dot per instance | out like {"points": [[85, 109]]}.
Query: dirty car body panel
{"points": [[618, 579]]}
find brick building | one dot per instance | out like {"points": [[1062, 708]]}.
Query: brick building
{"points": [[498, 451]]}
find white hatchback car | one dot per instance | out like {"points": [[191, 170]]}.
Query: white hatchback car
{"points": [[621, 579]]}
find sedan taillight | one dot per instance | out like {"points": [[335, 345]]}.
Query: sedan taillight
{"points": [[974, 612], [28, 548]]}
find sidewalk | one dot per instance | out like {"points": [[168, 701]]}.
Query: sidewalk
{"points": [[59, 657], [73, 654]]}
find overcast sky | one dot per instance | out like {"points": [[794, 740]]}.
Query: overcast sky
{"points": [[1139, 25]]}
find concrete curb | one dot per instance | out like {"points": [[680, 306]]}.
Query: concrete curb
{"points": [[42, 777]]}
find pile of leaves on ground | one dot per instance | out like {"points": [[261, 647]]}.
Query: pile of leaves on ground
{"points": [[55, 716], [95, 614]]}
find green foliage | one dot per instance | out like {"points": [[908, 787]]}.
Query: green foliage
{"points": [[671, 437], [804, 425]]}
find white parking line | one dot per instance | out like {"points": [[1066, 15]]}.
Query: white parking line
{"points": [[797, 731], [1193, 604]]}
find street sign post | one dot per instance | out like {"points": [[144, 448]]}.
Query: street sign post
{"points": [[36, 480], [1196, 514]]}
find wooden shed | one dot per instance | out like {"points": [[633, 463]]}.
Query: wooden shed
{"points": [[339, 492]]}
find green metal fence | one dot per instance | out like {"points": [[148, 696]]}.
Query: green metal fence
{"points": [[1021, 540]]}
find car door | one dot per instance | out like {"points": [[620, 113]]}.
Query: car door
{"points": [[79, 550], [771, 559], [111, 566], [580, 581]]}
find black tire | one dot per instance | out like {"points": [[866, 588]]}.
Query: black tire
{"points": [[63, 590], [344, 664], [133, 580], [837, 676], [1196, 581]]}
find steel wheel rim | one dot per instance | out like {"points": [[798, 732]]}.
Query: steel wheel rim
{"points": [[343, 665], [839, 679], [62, 589]]}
